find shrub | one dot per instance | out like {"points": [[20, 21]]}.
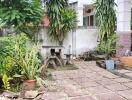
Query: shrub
{"points": [[7, 52]]}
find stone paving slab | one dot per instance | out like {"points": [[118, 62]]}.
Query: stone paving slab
{"points": [[108, 75], [111, 96], [82, 80], [85, 97], [89, 82], [127, 94], [116, 87], [129, 84], [74, 90], [106, 81], [121, 80], [98, 90], [54, 96]]}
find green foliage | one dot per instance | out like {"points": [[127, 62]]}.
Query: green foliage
{"points": [[6, 80], [21, 14], [108, 47], [7, 52], [16, 88], [106, 17], [29, 62], [62, 19], [18, 56]]}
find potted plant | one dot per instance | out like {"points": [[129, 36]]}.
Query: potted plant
{"points": [[109, 48], [107, 27], [45, 21], [30, 66]]}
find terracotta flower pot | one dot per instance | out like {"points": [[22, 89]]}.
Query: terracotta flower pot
{"points": [[127, 61], [30, 84], [45, 21]]}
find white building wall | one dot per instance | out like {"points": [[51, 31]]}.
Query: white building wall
{"points": [[123, 11], [79, 10], [82, 40], [86, 39]]}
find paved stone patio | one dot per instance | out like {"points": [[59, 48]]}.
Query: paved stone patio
{"points": [[89, 82]]}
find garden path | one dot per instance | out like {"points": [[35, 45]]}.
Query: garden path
{"points": [[88, 82]]}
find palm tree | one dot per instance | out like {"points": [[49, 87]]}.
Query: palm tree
{"points": [[62, 19]]}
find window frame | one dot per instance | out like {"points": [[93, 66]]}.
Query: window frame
{"points": [[87, 20]]}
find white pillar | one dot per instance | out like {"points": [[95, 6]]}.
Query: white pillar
{"points": [[123, 15], [124, 25], [80, 14], [74, 43]]}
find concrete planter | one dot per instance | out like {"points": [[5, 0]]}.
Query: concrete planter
{"points": [[109, 64]]}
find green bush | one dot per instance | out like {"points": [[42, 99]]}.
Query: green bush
{"points": [[109, 46], [19, 57], [8, 51]]}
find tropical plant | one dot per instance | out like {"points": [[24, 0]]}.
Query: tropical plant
{"points": [[21, 14], [29, 62], [106, 17], [6, 80], [62, 19], [108, 47], [7, 52], [18, 58]]}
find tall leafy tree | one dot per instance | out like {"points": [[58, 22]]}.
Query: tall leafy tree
{"points": [[62, 19], [22, 14], [106, 17], [106, 20]]}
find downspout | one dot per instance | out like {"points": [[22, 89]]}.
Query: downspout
{"points": [[74, 44]]}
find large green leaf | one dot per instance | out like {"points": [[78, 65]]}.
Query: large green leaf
{"points": [[21, 13]]}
